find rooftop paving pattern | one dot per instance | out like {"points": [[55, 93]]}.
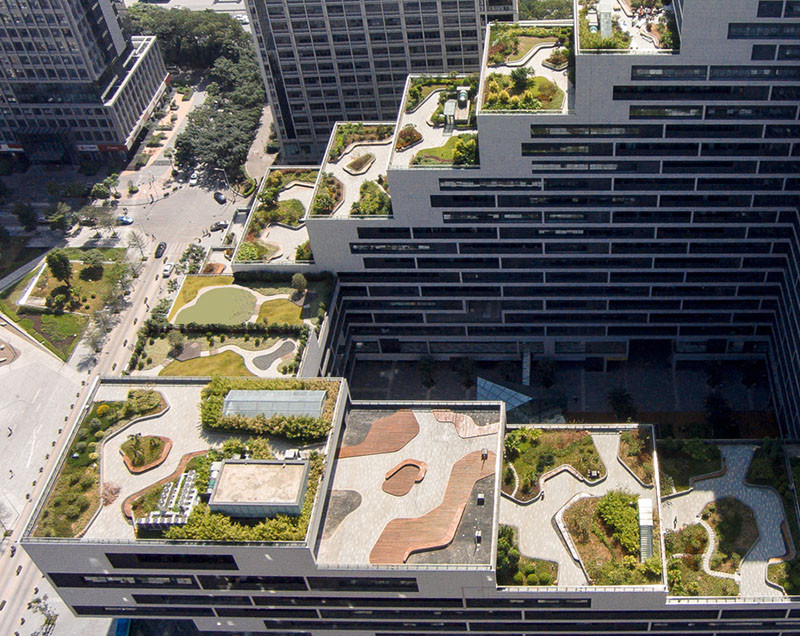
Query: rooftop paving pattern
{"points": [[387, 528], [387, 435], [538, 537], [765, 503]]}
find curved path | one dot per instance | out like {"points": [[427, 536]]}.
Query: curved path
{"points": [[765, 503], [711, 547], [538, 537]]}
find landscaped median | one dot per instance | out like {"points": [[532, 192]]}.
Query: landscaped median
{"points": [[76, 493]]}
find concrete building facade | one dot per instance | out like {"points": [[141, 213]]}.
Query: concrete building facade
{"points": [[71, 85]]}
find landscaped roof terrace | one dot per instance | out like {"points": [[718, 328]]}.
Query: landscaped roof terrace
{"points": [[626, 26]]}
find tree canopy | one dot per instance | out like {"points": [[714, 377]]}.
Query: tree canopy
{"points": [[59, 265]]}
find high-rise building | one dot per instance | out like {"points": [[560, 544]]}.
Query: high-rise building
{"points": [[326, 61], [71, 84], [647, 196]]}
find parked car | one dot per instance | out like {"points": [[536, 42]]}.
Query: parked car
{"points": [[160, 248], [193, 179], [89, 221], [219, 225], [174, 105], [124, 220], [242, 18], [220, 198], [167, 271]]}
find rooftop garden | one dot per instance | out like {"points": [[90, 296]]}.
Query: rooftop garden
{"points": [[685, 575], [407, 137], [142, 450], [521, 91], [203, 525], [329, 195], [361, 163], [636, 451], [373, 201], [74, 284], [606, 534], [303, 252], [532, 452], [458, 150], [350, 133], [192, 285], [619, 39], [665, 31], [226, 363], [296, 428], [424, 85], [450, 92], [516, 569], [76, 493], [736, 529], [512, 42], [768, 468], [679, 460]]}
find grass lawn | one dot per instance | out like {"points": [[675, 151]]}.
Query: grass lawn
{"points": [[279, 311], [526, 43], [58, 332], [226, 363], [90, 293], [227, 306], [306, 176], [534, 452], [149, 449], [159, 350], [636, 450], [192, 285], [736, 530], [679, 460], [438, 155], [110, 254]]}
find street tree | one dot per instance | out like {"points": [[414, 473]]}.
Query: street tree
{"points": [[60, 265], [138, 241], [93, 265], [105, 218]]}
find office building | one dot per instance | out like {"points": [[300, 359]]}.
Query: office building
{"points": [[71, 85], [651, 202], [326, 61]]}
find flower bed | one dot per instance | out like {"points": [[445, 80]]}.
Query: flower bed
{"points": [[736, 530], [361, 163], [146, 453], [618, 40], [539, 93], [685, 575], [680, 460], [373, 201], [407, 137], [329, 195], [347, 134], [511, 42], [516, 569]]}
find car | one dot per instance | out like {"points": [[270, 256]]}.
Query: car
{"points": [[220, 198], [193, 179], [167, 271], [242, 18], [124, 220], [174, 106], [219, 225], [160, 248]]}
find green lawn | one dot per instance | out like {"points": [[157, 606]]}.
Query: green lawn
{"points": [[150, 447], [279, 311], [110, 254], [192, 285], [89, 294], [438, 155], [226, 363], [227, 306], [158, 352], [526, 43]]}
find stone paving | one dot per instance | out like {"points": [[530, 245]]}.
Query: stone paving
{"points": [[538, 537], [765, 503], [181, 423]]}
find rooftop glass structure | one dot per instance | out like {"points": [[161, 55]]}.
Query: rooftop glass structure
{"points": [[268, 403]]}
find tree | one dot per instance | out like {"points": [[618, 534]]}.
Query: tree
{"points": [[27, 216], [60, 216], [545, 9], [520, 78], [621, 402], [105, 218], [95, 337], [100, 191], [93, 261], [137, 240], [465, 152], [60, 266], [299, 283], [175, 339]]}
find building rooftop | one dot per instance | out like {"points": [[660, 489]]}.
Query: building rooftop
{"points": [[268, 403], [614, 26], [435, 113], [543, 49], [414, 486], [353, 172]]}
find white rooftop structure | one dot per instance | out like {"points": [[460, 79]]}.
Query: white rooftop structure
{"points": [[268, 403]]}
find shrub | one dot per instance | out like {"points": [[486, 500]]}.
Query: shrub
{"points": [[408, 136], [620, 516]]}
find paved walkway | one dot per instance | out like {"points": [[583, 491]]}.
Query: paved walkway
{"points": [[181, 423], [766, 506], [538, 537]]}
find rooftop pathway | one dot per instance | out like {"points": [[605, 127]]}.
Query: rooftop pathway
{"points": [[538, 537], [765, 503]]}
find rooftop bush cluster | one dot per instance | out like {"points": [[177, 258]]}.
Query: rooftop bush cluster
{"points": [[515, 569], [530, 93], [408, 136], [329, 194], [373, 201], [350, 133], [295, 428]]}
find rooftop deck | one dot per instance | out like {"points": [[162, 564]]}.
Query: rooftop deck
{"points": [[406, 488]]}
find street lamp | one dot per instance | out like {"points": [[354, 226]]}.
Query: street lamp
{"points": [[227, 183]]}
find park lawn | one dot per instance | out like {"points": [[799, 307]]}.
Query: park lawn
{"points": [[737, 531], [438, 155], [57, 332], [110, 254], [677, 466], [226, 306], [226, 363], [158, 352], [91, 293], [151, 447], [526, 43], [192, 285], [279, 311]]}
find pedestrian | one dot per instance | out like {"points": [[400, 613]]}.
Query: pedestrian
{"points": [[10, 474], [674, 522], [10, 431]]}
